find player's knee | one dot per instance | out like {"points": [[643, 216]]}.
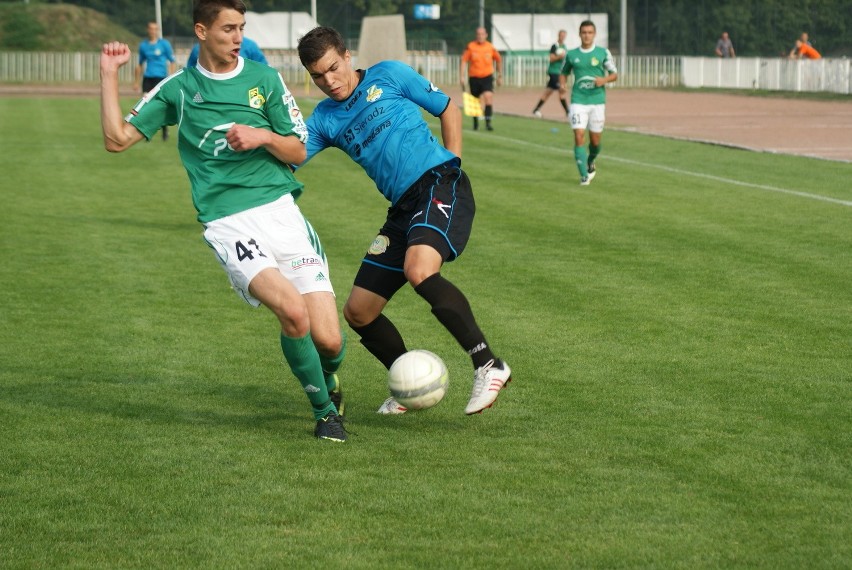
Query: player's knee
{"points": [[294, 318], [416, 274], [329, 343], [357, 316]]}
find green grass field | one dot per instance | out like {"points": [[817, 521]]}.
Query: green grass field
{"points": [[680, 333]]}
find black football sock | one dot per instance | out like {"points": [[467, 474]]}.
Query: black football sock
{"points": [[382, 340], [451, 308]]}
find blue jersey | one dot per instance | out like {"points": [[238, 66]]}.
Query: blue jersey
{"points": [[248, 50], [156, 57], [381, 127]]}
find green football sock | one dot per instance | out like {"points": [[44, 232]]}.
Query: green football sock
{"points": [[594, 151], [330, 365], [304, 361], [580, 157]]}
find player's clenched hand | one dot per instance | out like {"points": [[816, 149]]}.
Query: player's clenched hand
{"points": [[244, 137], [114, 55]]}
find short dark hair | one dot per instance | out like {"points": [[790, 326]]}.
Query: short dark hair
{"points": [[585, 23], [313, 45], [206, 11]]}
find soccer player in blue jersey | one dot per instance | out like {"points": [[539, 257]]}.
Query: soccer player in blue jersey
{"points": [[374, 116], [156, 62]]}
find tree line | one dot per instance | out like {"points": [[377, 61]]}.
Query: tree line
{"points": [[655, 27]]}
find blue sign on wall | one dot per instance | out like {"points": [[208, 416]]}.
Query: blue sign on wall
{"points": [[427, 11]]}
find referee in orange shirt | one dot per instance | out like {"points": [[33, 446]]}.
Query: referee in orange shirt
{"points": [[481, 57]]}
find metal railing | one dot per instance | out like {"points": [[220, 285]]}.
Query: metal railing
{"points": [[834, 75]]}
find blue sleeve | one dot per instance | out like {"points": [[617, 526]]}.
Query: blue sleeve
{"points": [[168, 51], [192, 61], [317, 141], [250, 50], [419, 89]]}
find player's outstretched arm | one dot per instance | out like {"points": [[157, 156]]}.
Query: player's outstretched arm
{"points": [[451, 129], [118, 134], [287, 149]]}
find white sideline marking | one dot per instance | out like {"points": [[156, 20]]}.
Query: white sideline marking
{"points": [[680, 171], [735, 182]]}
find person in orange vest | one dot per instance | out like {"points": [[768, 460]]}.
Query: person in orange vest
{"points": [[805, 51], [481, 57]]}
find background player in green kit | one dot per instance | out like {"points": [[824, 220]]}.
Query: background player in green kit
{"points": [[555, 61], [238, 129], [593, 67]]}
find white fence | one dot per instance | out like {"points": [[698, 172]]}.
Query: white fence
{"points": [[834, 75], [772, 74]]}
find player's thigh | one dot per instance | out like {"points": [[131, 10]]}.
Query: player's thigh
{"points": [[363, 305], [240, 255], [579, 115], [445, 209], [597, 118], [277, 293], [421, 262], [553, 81], [274, 236], [325, 325]]}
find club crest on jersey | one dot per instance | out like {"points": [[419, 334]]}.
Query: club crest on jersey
{"points": [[256, 99], [373, 93], [595, 61], [379, 245]]}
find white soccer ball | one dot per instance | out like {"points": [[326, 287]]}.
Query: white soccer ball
{"points": [[418, 379]]}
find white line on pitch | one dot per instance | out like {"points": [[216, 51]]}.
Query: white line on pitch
{"points": [[683, 172]]}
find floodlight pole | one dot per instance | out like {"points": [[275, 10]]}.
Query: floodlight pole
{"points": [[158, 15], [481, 13], [623, 39], [314, 11]]}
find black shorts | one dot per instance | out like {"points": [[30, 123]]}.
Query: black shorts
{"points": [[479, 85], [553, 81], [148, 83], [437, 210]]}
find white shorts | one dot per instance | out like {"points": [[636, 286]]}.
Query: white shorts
{"points": [[274, 235], [591, 117]]}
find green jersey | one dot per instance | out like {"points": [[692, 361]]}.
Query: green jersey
{"points": [[586, 65], [556, 66], [204, 106]]}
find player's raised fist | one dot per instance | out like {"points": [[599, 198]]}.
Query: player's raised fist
{"points": [[114, 55]]}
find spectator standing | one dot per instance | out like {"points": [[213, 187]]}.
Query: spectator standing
{"points": [[725, 47], [480, 57], [248, 49], [156, 62], [593, 67], [556, 59], [240, 128]]}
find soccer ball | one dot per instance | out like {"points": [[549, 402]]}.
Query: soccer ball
{"points": [[418, 379]]}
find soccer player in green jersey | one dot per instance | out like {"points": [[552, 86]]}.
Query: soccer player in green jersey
{"points": [[555, 59], [238, 130], [593, 67]]}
